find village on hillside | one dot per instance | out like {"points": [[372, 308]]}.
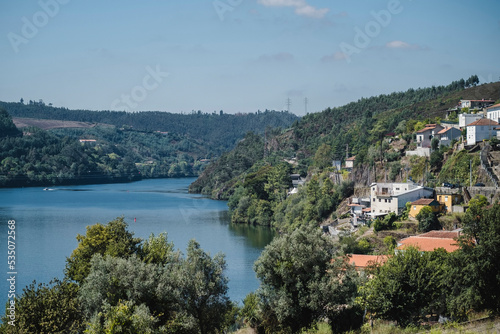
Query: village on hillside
{"points": [[473, 126]]}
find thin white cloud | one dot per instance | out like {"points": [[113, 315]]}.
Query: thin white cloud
{"points": [[302, 8], [403, 45]]}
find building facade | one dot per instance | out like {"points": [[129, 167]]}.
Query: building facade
{"points": [[392, 197], [480, 130], [493, 113]]}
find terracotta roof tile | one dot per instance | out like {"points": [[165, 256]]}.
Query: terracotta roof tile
{"points": [[423, 201], [425, 129], [363, 261], [483, 121], [494, 106], [444, 130], [429, 244]]}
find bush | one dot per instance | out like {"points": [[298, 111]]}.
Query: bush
{"points": [[385, 224], [427, 220]]}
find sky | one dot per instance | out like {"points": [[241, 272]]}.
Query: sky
{"points": [[239, 55]]}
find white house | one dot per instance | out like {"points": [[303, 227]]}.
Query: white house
{"points": [[447, 135], [475, 104], [425, 135], [349, 162], [493, 112], [466, 119], [481, 129], [392, 197]]}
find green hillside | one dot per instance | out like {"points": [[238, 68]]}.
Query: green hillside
{"points": [[360, 128]]}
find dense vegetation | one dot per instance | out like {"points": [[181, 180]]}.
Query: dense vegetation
{"points": [[217, 131], [118, 154], [253, 176], [42, 158], [115, 283]]}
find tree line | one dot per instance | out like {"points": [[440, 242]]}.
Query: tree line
{"points": [[218, 131]]}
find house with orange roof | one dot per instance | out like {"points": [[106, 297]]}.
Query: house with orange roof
{"points": [[349, 162], [425, 135], [361, 261], [446, 135], [428, 244], [417, 205], [480, 130]]}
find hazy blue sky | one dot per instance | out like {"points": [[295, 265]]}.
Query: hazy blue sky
{"points": [[239, 55]]}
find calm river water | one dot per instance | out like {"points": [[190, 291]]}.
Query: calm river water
{"points": [[47, 222]]}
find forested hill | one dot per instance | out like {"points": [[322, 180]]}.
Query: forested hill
{"points": [[257, 190], [219, 131]]}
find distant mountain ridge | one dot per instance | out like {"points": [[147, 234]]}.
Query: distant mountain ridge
{"points": [[215, 129]]}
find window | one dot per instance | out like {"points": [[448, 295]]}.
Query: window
{"points": [[379, 200], [414, 207], [446, 198], [374, 199], [385, 200]]}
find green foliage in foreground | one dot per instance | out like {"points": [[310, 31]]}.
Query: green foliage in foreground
{"points": [[408, 287], [127, 285], [303, 280]]}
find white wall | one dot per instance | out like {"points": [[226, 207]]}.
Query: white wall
{"points": [[494, 114], [466, 119], [479, 133]]}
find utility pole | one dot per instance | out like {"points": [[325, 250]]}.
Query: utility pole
{"points": [[288, 103], [305, 104]]}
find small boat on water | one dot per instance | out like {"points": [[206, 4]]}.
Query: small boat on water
{"points": [[48, 189]]}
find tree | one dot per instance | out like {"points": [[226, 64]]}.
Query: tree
{"points": [[123, 318], [158, 250], [476, 275], [303, 280], [112, 280], [409, 286], [203, 288], [7, 126], [42, 308], [427, 220], [323, 156], [111, 239], [434, 143]]}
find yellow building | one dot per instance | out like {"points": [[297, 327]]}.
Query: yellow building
{"points": [[419, 204], [448, 200]]}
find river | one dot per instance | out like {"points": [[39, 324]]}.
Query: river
{"points": [[48, 221]]}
